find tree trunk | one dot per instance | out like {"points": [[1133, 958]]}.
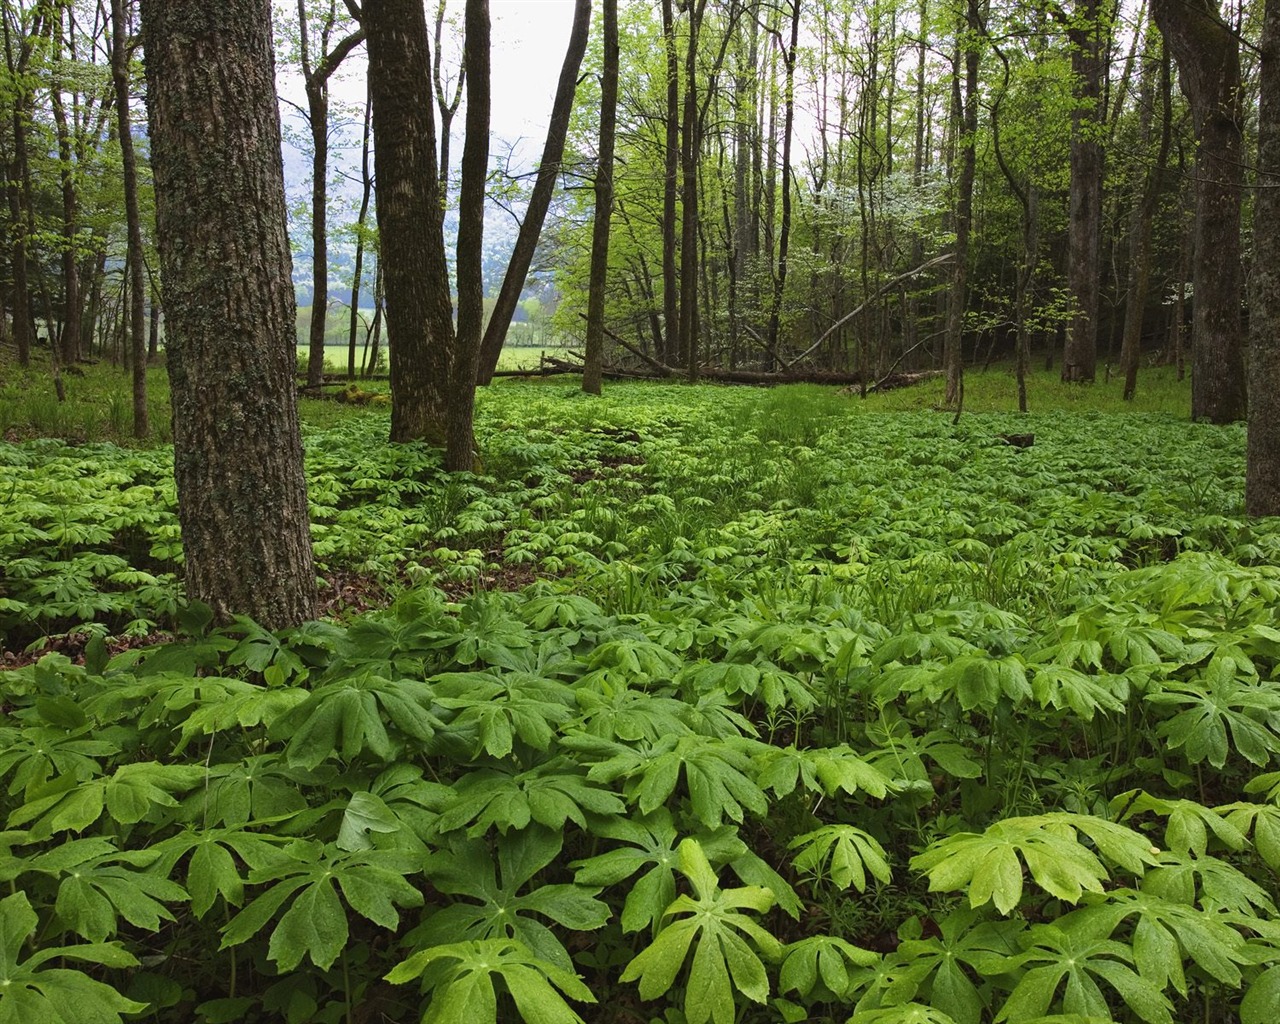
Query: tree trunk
{"points": [[1084, 271], [543, 189], [316, 80], [69, 339], [599, 274], [690, 151], [448, 105], [670, 352], [366, 180], [460, 453], [224, 250], [1208, 56], [1262, 474], [965, 112], [419, 314], [1143, 214], [784, 229], [133, 219]]}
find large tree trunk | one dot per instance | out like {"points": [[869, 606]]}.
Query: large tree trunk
{"points": [[224, 251], [133, 219], [1084, 271], [460, 454], [543, 189], [599, 274], [1208, 56], [1262, 476], [419, 313]]}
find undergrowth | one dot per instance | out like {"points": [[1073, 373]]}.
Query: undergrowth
{"points": [[812, 715]]}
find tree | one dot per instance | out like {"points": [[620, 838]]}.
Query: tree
{"points": [[459, 453], [603, 216], [18, 54], [1262, 475], [415, 273], [1144, 212], [544, 187], [315, 75], [133, 218], [1207, 52], [224, 254], [1090, 43], [964, 111]]}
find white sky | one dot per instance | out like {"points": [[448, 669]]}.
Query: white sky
{"points": [[529, 38]]}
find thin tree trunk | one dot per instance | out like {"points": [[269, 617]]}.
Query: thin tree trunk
{"points": [[691, 146], [670, 352], [448, 105], [316, 80], [965, 113], [784, 229], [362, 218], [599, 274], [1143, 214], [543, 189], [23, 322], [133, 219], [460, 453], [70, 335]]}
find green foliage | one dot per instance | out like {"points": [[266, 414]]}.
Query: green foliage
{"points": [[1002, 716]]}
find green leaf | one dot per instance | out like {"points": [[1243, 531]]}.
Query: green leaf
{"points": [[460, 976], [727, 957], [31, 995], [849, 852], [315, 926], [1262, 998]]}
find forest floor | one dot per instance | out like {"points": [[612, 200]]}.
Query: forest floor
{"points": [[931, 715]]}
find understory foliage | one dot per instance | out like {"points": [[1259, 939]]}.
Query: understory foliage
{"points": [[808, 716]]}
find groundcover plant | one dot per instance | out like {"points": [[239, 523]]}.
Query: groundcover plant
{"points": [[797, 714]]}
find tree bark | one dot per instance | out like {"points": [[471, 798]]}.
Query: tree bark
{"points": [[1262, 473], [603, 217], [224, 250], [1208, 56], [543, 189], [419, 314], [460, 453], [1084, 270], [133, 219]]}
